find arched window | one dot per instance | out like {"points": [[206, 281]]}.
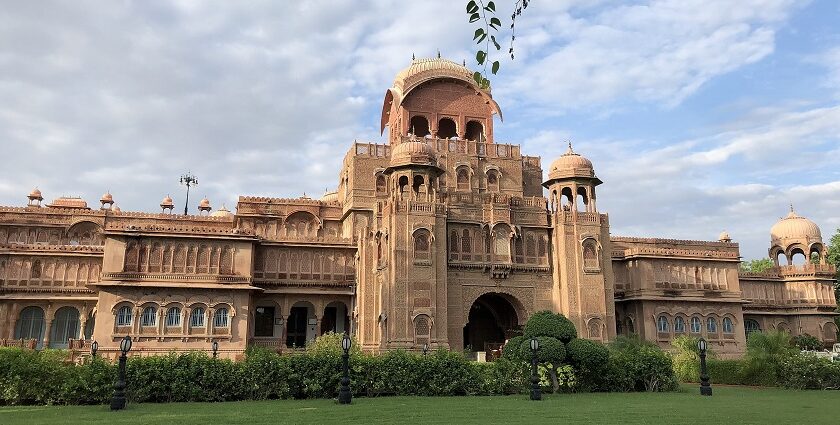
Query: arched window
{"points": [[197, 318], [418, 183], [220, 318], [65, 326], [475, 131], [173, 317], [590, 254], [463, 178], [493, 181], [419, 126], [30, 324], [679, 325], [124, 316], [381, 185], [582, 200], [421, 245], [447, 128], [711, 325], [662, 324], [728, 328], [750, 326], [695, 325], [149, 316], [403, 182], [422, 329]]}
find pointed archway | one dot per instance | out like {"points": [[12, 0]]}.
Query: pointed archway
{"points": [[492, 320]]}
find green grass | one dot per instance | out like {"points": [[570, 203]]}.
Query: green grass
{"points": [[729, 405]]}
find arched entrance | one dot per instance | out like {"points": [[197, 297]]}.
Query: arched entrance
{"points": [[492, 320], [65, 326]]}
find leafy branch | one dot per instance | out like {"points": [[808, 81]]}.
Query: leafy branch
{"points": [[486, 33]]}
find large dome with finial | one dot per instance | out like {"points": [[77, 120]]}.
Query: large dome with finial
{"points": [[426, 69], [794, 227]]}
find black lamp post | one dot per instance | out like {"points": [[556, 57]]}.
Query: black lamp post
{"points": [[344, 394], [188, 180], [536, 392], [425, 348], [118, 400], [705, 386], [215, 347], [94, 347]]}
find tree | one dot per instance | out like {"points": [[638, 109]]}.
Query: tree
{"points": [[553, 331], [834, 258], [484, 14], [757, 266]]}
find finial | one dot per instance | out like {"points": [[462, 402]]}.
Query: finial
{"points": [[791, 207], [438, 53], [464, 62], [412, 56], [570, 151]]}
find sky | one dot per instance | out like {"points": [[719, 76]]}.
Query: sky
{"points": [[699, 115]]}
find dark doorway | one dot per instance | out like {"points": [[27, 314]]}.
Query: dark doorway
{"points": [[264, 321], [296, 331], [328, 323], [492, 320]]}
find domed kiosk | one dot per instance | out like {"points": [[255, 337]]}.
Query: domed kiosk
{"points": [[793, 235]]}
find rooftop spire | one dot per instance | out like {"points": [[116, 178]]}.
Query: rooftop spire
{"points": [[438, 53]]}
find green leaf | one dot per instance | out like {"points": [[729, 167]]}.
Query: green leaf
{"points": [[472, 7], [474, 17], [495, 43], [477, 77], [485, 83], [480, 39], [495, 67], [491, 6], [480, 56], [478, 33], [495, 22]]}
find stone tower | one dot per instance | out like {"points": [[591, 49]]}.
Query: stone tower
{"points": [[581, 263]]}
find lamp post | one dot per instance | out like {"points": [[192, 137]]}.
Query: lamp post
{"points": [[705, 386], [188, 180], [94, 347], [118, 400], [344, 394], [215, 347], [425, 348], [536, 392]]}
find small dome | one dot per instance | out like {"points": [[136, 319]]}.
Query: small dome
{"points": [[107, 198], [167, 202], [330, 197], [116, 209], [416, 152], [571, 164], [35, 194], [222, 212], [724, 237], [204, 204], [794, 227]]}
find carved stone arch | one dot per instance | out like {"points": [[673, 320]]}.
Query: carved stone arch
{"points": [[121, 302], [521, 299], [595, 328], [795, 248]]}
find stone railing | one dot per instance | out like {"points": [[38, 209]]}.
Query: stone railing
{"points": [[135, 276], [807, 270]]}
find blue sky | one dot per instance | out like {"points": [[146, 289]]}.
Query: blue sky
{"points": [[700, 115]]}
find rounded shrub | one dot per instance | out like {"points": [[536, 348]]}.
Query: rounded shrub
{"points": [[546, 323], [551, 350], [584, 353], [511, 349]]}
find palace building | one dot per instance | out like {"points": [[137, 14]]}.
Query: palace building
{"points": [[440, 236]]}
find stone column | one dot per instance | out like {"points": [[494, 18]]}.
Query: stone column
{"points": [[82, 324], [48, 330]]}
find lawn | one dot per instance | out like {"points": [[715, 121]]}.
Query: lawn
{"points": [[729, 405]]}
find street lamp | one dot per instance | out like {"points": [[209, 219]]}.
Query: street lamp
{"points": [[705, 386], [536, 392], [425, 348], [188, 180], [344, 394], [118, 400], [94, 347], [215, 347]]}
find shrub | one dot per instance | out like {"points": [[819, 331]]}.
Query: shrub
{"points": [[639, 367], [590, 359], [765, 353], [729, 372], [687, 358], [511, 350], [807, 342], [546, 323], [807, 371]]}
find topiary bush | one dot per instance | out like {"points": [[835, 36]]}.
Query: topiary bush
{"points": [[590, 359], [511, 349], [546, 323]]}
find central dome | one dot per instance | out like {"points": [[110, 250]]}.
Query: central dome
{"points": [[422, 70], [413, 152], [794, 226]]}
